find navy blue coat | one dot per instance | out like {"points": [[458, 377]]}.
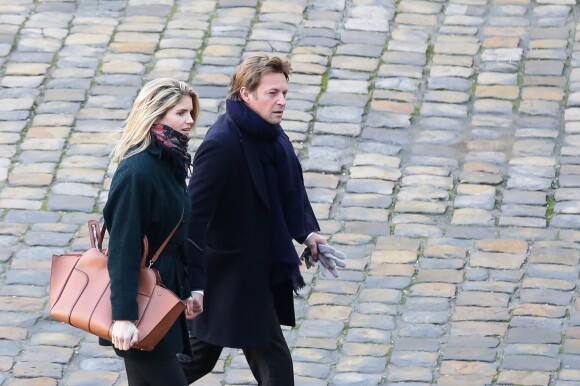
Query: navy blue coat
{"points": [[228, 238]]}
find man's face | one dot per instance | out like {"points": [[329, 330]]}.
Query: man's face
{"points": [[269, 98]]}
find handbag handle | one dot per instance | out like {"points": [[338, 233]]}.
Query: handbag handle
{"points": [[97, 235]]}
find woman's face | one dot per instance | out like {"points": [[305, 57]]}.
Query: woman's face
{"points": [[179, 116]]}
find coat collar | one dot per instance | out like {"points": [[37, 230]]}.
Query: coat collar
{"points": [[154, 150]]}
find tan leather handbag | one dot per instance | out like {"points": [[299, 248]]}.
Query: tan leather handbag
{"points": [[80, 293]]}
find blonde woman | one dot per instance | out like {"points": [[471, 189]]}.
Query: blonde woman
{"points": [[148, 197]]}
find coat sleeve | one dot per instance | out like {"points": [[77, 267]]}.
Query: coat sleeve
{"points": [[211, 168], [126, 216]]}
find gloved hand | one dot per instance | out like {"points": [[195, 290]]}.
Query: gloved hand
{"points": [[124, 334], [329, 258]]}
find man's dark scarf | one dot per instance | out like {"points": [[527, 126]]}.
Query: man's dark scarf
{"points": [[290, 210]]}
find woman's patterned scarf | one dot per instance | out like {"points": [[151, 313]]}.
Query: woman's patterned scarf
{"points": [[174, 142]]}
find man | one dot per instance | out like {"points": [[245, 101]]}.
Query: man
{"points": [[248, 202]]}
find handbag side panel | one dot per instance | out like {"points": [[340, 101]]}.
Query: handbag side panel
{"points": [[63, 307], [159, 308], [93, 264], [101, 321], [61, 268], [157, 315]]}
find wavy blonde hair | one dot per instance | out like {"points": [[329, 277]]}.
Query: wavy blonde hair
{"points": [[154, 100]]}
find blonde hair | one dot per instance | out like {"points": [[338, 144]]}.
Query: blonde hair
{"points": [[250, 71], [152, 103]]}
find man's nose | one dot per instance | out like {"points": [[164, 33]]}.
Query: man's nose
{"points": [[282, 100]]}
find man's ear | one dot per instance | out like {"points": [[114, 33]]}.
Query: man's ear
{"points": [[245, 94]]}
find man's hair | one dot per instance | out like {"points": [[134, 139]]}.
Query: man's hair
{"points": [[250, 71]]}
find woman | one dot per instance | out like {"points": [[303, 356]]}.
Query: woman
{"points": [[148, 197]]}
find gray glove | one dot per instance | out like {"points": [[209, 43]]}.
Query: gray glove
{"points": [[334, 257], [329, 259], [327, 265]]}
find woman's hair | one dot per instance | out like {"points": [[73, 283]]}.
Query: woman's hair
{"points": [[154, 100], [250, 71]]}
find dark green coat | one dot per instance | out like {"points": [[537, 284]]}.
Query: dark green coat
{"points": [[147, 197]]}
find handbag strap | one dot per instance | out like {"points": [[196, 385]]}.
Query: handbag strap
{"points": [[97, 235], [162, 247]]}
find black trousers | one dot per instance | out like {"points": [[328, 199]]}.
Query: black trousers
{"points": [[165, 372], [271, 366]]}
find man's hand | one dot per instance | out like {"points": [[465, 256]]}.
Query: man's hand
{"points": [[312, 242], [124, 334], [194, 305]]}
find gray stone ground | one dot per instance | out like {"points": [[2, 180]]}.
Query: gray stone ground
{"points": [[440, 143]]}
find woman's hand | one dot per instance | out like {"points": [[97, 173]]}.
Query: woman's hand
{"points": [[124, 334], [194, 305]]}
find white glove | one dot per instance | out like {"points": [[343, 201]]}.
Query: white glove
{"points": [[124, 334]]}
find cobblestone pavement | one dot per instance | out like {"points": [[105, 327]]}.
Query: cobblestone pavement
{"points": [[440, 142]]}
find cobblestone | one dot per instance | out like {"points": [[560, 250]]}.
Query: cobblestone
{"points": [[440, 151]]}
